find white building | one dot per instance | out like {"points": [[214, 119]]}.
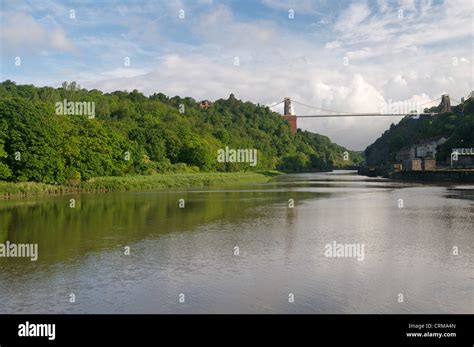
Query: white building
{"points": [[428, 147], [425, 149]]}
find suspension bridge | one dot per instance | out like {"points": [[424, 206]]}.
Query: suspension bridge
{"points": [[290, 116]]}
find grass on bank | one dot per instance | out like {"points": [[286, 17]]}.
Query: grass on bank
{"points": [[137, 183]]}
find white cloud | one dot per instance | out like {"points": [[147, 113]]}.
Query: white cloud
{"points": [[332, 44], [352, 16], [407, 5], [383, 5], [58, 40], [22, 33], [219, 27], [365, 52], [427, 24]]}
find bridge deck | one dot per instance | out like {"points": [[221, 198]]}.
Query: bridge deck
{"points": [[367, 115]]}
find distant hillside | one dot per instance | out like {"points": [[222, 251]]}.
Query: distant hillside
{"points": [[457, 126], [135, 134]]}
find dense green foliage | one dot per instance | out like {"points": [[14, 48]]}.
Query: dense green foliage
{"points": [[134, 134], [457, 126]]}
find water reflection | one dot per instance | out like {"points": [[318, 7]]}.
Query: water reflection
{"points": [[190, 250]]}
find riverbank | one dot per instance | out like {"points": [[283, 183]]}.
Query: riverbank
{"points": [[435, 176], [136, 183]]}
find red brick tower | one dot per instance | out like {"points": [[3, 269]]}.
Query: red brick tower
{"points": [[289, 115]]}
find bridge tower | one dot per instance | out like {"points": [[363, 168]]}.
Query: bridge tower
{"points": [[445, 105], [289, 115]]}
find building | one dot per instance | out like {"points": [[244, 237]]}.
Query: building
{"points": [[464, 162], [205, 104], [412, 165], [406, 153], [420, 156], [424, 149], [428, 147], [464, 158], [429, 164]]}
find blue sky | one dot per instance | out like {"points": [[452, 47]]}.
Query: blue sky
{"points": [[341, 55]]}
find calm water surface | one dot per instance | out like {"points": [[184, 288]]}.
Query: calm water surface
{"points": [[408, 250]]}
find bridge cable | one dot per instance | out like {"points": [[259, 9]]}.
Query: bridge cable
{"points": [[342, 114], [361, 115], [278, 103], [458, 101], [317, 108], [429, 101]]}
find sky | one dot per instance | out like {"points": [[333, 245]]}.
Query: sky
{"points": [[346, 56]]}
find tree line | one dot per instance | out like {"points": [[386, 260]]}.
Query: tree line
{"points": [[134, 134]]}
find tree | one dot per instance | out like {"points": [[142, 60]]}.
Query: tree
{"points": [[5, 171]]}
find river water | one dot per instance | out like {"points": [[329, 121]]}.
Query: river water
{"points": [[245, 250]]}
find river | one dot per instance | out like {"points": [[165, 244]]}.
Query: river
{"points": [[245, 250]]}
